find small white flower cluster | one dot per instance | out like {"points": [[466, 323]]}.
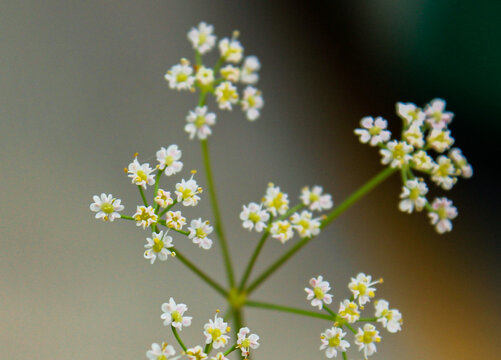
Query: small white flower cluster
{"points": [[424, 130], [150, 216], [215, 331], [274, 215], [220, 80], [363, 290]]}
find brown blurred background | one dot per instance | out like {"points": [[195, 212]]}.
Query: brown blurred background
{"points": [[82, 89]]}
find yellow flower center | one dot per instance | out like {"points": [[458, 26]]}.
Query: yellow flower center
{"points": [[334, 341], [375, 130], [228, 94], [254, 217], [361, 288], [305, 224], [314, 197], [278, 201], [181, 77], [107, 208], [368, 336], [200, 121], [141, 176], [169, 160], [319, 293], [443, 168], [414, 195], [199, 233], [176, 316], [187, 193], [245, 343], [398, 152], [442, 213], [159, 244], [202, 38], [215, 333], [251, 101]]}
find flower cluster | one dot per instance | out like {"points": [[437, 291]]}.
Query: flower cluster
{"points": [[215, 332], [159, 244], [363, 291], [221, 80], [425, 131], [274, 214]]}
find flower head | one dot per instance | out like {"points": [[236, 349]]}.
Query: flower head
{"points": [[215, 332], [205, 76], [141, 175], [442, 213], [199, 123], [198, 233], [175, 220], [201, 37], [230, 73], [196, 353], [412, 196], [414, 134], [248, 74], [180, 76], [332, 342], [390, 319], [362, 288], [304, 224], [315, 200], [187, 192], [396, 154], [219, 356], [460, 162], [158, 246], [410, 113], [158, 352], [440, 140], [275, 201], [281, 230], [252, 102], [366, 339], [168, 160], [444, 173], [145, 216], [173, 314], [106, 207], [319, 294], [246, 341], [422, 161], [254, 217], [373, 131], [436, 115], [226, 95], [231, 50], [163, 198], [348, 310]]}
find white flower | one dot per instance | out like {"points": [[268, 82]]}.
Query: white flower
{"points": [[173, 314], [362, 289], [348, 310], [281, 230], [422, 161], [443, 211], [414, 134], [314, 199], [219, 356], [199, 123], [226, 95], [175, 220], [332, 341], [412, 196], [205, 76], [158, 352], [410, 113], [168, 159], [366, 338], [106, 207], [215, 331], [440, 140], [435, 114], [202, 38], [180, 76], [196, 353], [198, 233], [163, 198], [230, 73], [460, 162], [253, 216], [396, 154], [187, 191], [390, 319], [141, 175], [145, 216], [373, 130], [252, 102], [275, 201], [231, 50], [245, 342], [444, 173], [304, 224], [319, 294], [249, 75], [158, 245]]}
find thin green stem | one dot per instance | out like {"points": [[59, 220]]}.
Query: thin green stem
{"points": [[332, 313], [217, 215], [334, 214], [198, 58], [230, 350], [288, 309], [344, 356], [212, 283], [252, 261], [237, 313], [367, 319], [178, 338], [167, 208], [208, 348], [290, 212], [125, 217], [141, 191], [349, 327], [157, 181], [218, 65]]}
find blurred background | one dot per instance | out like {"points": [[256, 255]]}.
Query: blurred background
{"points": [[82, 89]]}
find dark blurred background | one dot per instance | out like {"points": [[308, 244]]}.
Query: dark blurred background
{"points": [[82, 89]]}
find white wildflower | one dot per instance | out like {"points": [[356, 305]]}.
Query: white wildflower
{"points": [[198, 233], [180, 76], [366, 339], [226, 95], [412, 196], [202, 38], [304, 224], [333, 341], [441, 215], [390, 319], [252, 102], [248, 74], [168, 160], [231, 50], [199, 123], [158, 246], [315, 200], [396, 154], [106, 207], [319, 294], [373, 131], [173, 314], [436, 116], [145, 216], [141, 175], [444, 173], [254, 217]]}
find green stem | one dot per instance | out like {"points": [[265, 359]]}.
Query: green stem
{"points": [[167, 208], [141, 191], [367, 319], [344, 356], [178, 338], [208, 348], [125, 217], [217, 215], [345, 205], [230, 350], [237, 313], [290, 212], [157, 181], [252, 261], [212, 283], [332, 313], [164, 223], [263, 305], [351, 329], [198, 58]]}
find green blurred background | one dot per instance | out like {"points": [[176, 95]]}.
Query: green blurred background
{"points": [[82, 89]]}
